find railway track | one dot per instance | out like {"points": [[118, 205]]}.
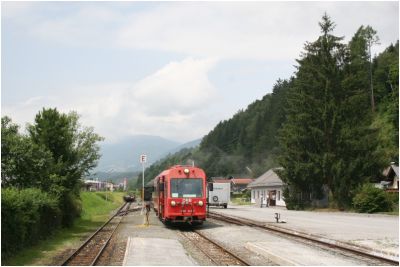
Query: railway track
{"points": [[218, 255], [92, 248], [377, 257]]}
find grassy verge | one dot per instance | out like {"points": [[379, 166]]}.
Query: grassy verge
{"points": [[240, 201], [96, 209]]}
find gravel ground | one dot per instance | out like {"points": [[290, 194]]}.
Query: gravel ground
{"points": [[278, 249], [234, 238], [343, 226], [375, 231]]}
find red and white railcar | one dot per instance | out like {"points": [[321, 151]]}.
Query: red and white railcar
{"points": [[180, 195]]}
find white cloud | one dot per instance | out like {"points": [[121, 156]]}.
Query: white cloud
{"points": [[167, 103], [226, 30], [175, 100], [89, 26], [239, 30], [13, 9], [261, 30], [179, 87]]}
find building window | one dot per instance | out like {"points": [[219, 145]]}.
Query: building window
{"points": [[252, 194], [258, 193], [279, 195]]}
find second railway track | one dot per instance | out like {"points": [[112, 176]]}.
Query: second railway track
{"points": [[375, 258], [92, 248]]}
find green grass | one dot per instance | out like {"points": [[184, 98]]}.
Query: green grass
{"points": [[240, 201], [96, 210], [98, 205]]}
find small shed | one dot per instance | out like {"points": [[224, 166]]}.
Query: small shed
{"points": [[390, 182], [268, 188]]}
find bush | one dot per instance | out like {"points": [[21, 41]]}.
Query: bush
{"points": [[71, 206], [28, 215], [393, 198], [370, 199]]}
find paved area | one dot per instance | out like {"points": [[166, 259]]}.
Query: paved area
{"points": [[272, 249], [375, 232], [278, 251], [156, 252], [134, 227]]}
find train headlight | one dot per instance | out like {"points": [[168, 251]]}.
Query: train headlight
{"points": [[173, 203], [201, 203], [186, 171]]}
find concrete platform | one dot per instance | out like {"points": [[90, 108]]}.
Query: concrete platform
{"points": [[376, 233], [156, 252], [300, 255]]}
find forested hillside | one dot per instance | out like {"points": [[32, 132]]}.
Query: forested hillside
{"points": [[328, 126]]}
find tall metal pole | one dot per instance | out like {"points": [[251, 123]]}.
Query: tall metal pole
{"points": [[143, 182], [143, 159]]}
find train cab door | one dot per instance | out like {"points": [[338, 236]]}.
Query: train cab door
{"points": [[161, 197]]}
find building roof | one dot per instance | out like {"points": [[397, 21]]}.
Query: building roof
{"points": [[396, 169], [269, 178], [242, 180], [92, 182], [221, 181], [393, 168], [234, 180]]}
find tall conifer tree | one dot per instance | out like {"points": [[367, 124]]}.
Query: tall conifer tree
{"points": [[323, 139]]}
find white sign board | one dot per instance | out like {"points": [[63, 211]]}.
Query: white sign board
{"points": [[143, 158]]}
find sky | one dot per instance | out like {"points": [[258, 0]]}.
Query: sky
{"points": [[170, 69]]}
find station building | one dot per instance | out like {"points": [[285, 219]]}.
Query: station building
{"points": [[267, 189]]}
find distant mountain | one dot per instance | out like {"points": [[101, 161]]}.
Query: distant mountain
{"points": [[190, 144], [123, 156]]}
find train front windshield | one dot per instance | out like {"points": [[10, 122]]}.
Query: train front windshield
{"points": [[192, 187]]}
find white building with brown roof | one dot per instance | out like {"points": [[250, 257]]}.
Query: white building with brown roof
{"points": [[268, 188]]}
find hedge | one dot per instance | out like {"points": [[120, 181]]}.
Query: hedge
{"points": [[28, 215], [370, 199]]}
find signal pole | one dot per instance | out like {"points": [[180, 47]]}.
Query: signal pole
{"points": [[143, 159]]}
